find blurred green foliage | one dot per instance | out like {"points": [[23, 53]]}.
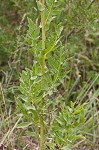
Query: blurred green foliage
{"points": [[78, 21]]}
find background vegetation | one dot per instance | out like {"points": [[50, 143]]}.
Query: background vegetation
{"points": [[79, 25]]}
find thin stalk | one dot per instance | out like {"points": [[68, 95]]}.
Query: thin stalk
{"points": [[43, 41], [42, 71], [43, 24], [41, 133]]}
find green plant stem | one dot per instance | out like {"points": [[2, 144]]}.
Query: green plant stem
{"points": [[43, 25], [43, 41], [42, 71], [41, 133]]}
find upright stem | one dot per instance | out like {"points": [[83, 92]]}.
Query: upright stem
{"points": [[43, 40], [42, 71], [43, 24], [41, 133]]}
